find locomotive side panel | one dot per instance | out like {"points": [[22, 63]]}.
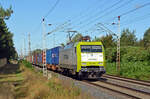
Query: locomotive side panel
{"points": [[68, 58]]}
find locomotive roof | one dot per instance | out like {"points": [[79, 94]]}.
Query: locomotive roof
{"points": [[70, 45]]}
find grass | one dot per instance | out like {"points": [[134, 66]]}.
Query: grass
{"points": [[35, 86], [136, 70], [27, 64], [17, 77]]}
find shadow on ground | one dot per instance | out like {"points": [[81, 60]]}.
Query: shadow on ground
{"points": [[9, 69], [7, 88]]}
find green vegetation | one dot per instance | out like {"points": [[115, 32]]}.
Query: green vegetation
{"points": [[134, 62], [7, 49], [24, 82], [17, 77], [35, 86], [128, 54], [37, 51], [146, 38], [27, 64], [135, 54], [136, 70]]}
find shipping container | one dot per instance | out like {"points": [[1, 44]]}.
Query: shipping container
{"points": [[35, 59], [48, 56], [39, 59], [55, 55]]}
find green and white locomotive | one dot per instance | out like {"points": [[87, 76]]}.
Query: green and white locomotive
{"points": [[83, 59]]}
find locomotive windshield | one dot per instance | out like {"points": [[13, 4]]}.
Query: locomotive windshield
{"points": [[91, 48]]}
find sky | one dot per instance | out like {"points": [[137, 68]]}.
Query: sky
{"points": [[82, 16]]}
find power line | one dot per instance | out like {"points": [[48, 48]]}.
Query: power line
{"points": [[124, 4], [86, 11], [137, 19], [123, 14], [100, 12], [103, 11], [50, 11], [52, 8], [82, 15], [61, 26], [79, 16], [132, 10]]}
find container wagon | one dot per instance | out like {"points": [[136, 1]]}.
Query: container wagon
{"points": [[52, 58]]}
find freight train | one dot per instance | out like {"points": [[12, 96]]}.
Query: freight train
{"points": [[82, 59]]}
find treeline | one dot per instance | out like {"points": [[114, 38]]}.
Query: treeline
{"points": [[7, 49], [132, 49]]}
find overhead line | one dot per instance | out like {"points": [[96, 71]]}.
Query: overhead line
{"points": [[52, 8], [84, 14], [107, 13], [137, 19], [123, 14], [129, 1], [79, 16], [104, 10], [60, 27], [88, 19], [124, 4], [132, 10]]}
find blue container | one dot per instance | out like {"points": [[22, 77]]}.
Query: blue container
{"points": [[48, 56], [40, 58], [35, 59], [55, 55]]}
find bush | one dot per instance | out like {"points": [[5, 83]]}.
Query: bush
{"points": [[26, 64], [135, 54], [138, 70], [128, 54]]}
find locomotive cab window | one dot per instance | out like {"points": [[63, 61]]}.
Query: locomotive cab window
{"points": [[91, 48]]}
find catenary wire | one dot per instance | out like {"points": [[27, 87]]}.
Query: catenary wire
{"points": [[52, 8]]}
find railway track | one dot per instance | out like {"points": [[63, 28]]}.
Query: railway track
{"points": [[132, 87], [134, 81], [121, 90]]}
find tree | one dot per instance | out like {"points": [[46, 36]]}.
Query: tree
{"points": [[37, 51], [147, 38], [128, 38], [62, 44], [77, 38], [6, 43], [140, 43], [108, 40], [5, 14]]}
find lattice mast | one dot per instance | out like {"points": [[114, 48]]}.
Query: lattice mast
{"points": [[118, 46], [44, 49]]}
